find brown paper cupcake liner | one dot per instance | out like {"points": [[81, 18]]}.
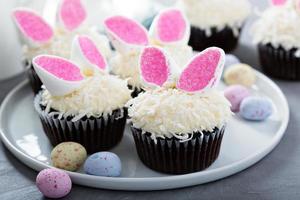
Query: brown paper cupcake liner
{"points": [[95, 134], [279, 63], [174, 157], [224, 39], [34, 80]]}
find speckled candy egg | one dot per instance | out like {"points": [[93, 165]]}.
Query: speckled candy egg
{"points": [[68, 156], [103, 164], [241, 74], [235, 94], [256, 108], [231, 59], [53, 183]]}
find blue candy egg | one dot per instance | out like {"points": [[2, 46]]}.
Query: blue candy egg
{"points": [[103, 164], [231, 59], [256, 108]]}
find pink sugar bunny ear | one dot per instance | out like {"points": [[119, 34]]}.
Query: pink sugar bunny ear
{"points": [[33, 27], [170, 26], [277, 2], [203, 71], [72, 14], [155, 66], [86, 54], [59, 75], [126, 34]]}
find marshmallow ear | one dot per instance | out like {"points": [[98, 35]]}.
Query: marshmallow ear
{"points": [[33, 27], [155, 66], [203, 71], [126, 34], [86, 54], [277, 2], [60, 76], [71, 14], [170, 26]]}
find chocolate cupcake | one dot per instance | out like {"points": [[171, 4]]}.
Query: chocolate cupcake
{"points": [[179, 122], [170, 30], [81, 102], [278, 40], [215, 22], [41, 38]]}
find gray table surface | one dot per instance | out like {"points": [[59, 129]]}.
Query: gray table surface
{"points": [[277, 176]]}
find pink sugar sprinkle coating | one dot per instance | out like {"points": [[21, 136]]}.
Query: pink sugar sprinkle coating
{"points": [[200, 72], [60, 68], [171, 26], [127, 30], [91, 52], [33, 26], [72, 13], [154, 68], [278, 2]]}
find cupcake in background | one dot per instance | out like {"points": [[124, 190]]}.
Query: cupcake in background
{"points": [[277, 36], [179, 121], [169, 30], [215, 22], [41, 38], [81, 102]]}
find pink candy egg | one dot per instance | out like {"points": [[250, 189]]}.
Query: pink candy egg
{"points": [[53, 183], [235, 94]]}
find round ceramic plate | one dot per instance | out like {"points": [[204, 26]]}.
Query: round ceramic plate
{"points": [[244, 144]]}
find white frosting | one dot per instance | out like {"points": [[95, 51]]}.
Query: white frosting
{"points": [[279, 25], [206, 14], [98, 96], [61, 43], [127, 65], [171, 112]]}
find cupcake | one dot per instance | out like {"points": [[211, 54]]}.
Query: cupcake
{"points": [[215, 22], [277, 36], [41, 38], [179, 122], [80, 101], [170, 30]]}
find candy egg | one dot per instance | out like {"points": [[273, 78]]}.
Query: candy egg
{"points": [[256, 108], [241, 74], [103, 164], [235, 94], [231, 59], [68, 156], [53, 183]]}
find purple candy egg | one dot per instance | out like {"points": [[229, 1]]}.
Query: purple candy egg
{"points": [[235, 95], [53, 183]]}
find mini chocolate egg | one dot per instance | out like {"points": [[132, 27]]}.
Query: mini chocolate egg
{"points": [[231, 59], [241, 74], [103, 164], [235, 94], [53, 183], [256, 108], [68, 156]]}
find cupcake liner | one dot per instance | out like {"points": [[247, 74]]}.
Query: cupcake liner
{"points": [[174, 157], [279, 63], [95, 134], [34, 80], [224, 39]]}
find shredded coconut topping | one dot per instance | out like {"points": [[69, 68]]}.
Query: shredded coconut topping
{"points": [[206, 14], [170, 112], [99, 96]]}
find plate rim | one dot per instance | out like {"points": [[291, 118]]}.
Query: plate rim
{"points": [[222, 172]]}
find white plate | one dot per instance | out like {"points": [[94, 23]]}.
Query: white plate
{"points": [[244, 144]]}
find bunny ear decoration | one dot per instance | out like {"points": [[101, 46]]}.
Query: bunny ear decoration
{"points": [[86, 54], [203, 71], [59, 75], [126, 34], [71, 13], [170, 26], [155, 66], [277, 2], [33, 27]]}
